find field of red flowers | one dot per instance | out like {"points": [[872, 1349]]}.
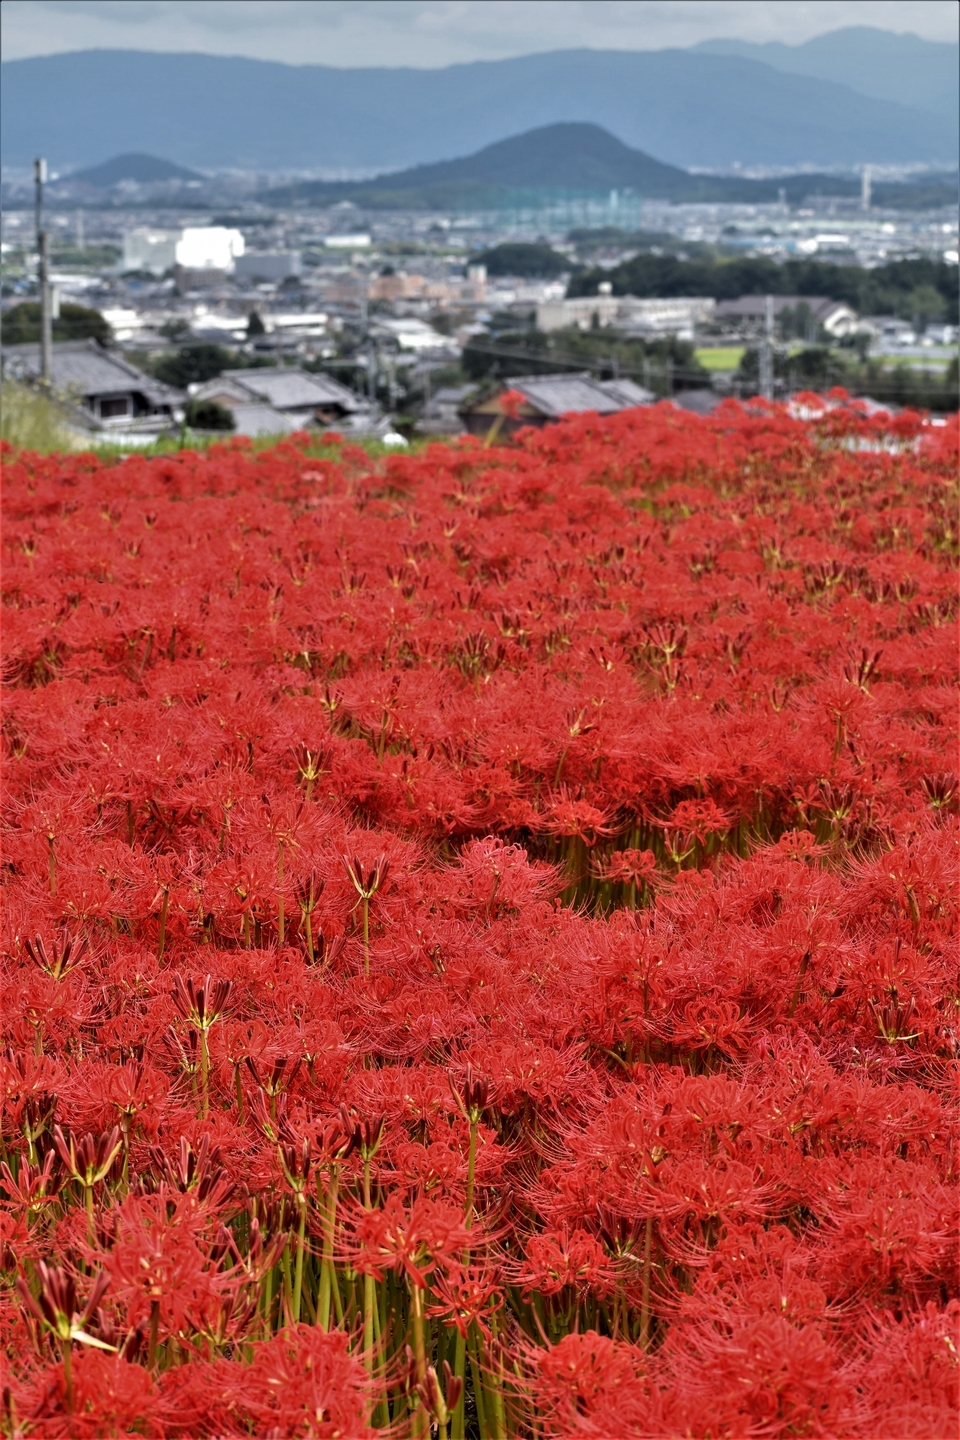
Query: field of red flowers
{"points": [[479, 936]]}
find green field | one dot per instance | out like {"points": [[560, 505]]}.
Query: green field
{"points": [[720, 357]]}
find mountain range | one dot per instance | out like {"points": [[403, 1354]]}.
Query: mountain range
{"points": [[572, 158], [872, 62], [692, 108]]}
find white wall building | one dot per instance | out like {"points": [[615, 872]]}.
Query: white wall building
{"points": [[348, 242], [196, 247], [149, 249], [662, 316], [209, 247]]}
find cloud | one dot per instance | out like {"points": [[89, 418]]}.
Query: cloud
{"points": [[431, 33]]}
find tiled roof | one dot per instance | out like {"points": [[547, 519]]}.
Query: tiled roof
{"points": [[627, 392], [556, 395], [261, 420], [82, 367], [291, 389]]}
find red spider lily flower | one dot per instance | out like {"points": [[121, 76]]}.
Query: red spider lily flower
{"points": [[511, 402], [35, 1187], [411, 1240], [634, 867], [300, 1380], [63, 956], [465, 1295], [56, 1307], [700, 818], [90, 1159], [561, 1261], [569, 817], [201, 1004]]}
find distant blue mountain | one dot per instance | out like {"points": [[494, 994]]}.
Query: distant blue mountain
{"points": [[144, 169], [686, 107], [903, 68]]}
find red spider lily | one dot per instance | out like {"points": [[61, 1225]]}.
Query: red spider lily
{"points": [[35, 1187], [198, 1171], [89, 1160], [56, 1310], [624, 757], [511, 402], [635, 867], [63, 957], [570, 817], [201, 1004], [411, 1240], [465, 1296], [699, 818], [556, 1263]]}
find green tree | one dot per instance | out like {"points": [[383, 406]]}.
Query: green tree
{"points": [[192, 365], [517, 258], [255, 325], [21, 324], [887, 289], [926, 303], [208, 415]]}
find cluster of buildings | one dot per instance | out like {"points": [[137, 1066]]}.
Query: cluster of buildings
{"points": [[103, 393], [315, 299]]}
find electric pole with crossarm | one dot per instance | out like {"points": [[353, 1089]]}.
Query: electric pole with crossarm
{"points": [[43, 248]]}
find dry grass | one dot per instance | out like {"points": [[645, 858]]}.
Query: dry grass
{"points": [[30, 421]]}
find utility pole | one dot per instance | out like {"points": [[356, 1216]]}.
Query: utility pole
{"points": [[392, 382], [43, 248], [372, 375], [766, 352], [362, 281]]}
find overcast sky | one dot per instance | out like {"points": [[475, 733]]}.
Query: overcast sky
{"points": [[438, 32]]}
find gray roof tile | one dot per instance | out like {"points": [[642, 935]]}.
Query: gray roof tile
{"points": [[291, 389], [556, 395], [82, 367]]}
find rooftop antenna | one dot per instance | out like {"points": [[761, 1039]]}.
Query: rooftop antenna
{"points": [[43, 249]]}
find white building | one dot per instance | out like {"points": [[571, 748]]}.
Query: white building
{"points": [[347, 242], [671, 315], [209, 247], [412, 334], [149, 249], [196, 247]]}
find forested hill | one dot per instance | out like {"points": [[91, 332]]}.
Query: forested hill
{"points": [[561, 160]]}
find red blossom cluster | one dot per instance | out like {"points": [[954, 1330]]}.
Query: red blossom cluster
{"points": [[479, 935]]}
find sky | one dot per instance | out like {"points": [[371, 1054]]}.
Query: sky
{"points": [[430, 33]]}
